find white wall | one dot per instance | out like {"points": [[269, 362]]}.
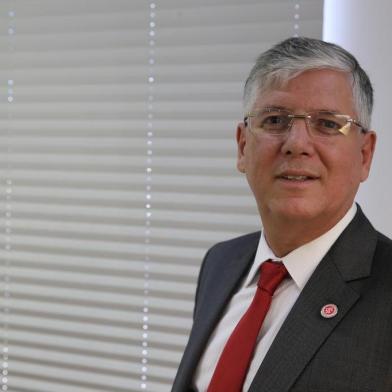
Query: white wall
{"points": [[363, 28]]}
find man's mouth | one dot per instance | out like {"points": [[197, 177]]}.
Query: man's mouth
{"points": [[297, 178]]}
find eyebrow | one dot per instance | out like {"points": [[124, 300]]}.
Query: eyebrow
{"points": [[276, 108], [284, 108]]}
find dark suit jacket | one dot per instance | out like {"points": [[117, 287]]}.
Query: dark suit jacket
{"points": [[351, 352]]}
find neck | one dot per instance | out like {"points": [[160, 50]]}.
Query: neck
{"points": [[296, 233]]}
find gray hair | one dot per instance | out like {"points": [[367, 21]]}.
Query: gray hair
{"points": [[289, 58]]}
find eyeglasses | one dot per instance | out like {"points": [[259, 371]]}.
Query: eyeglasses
{"points": [[277, 122]]}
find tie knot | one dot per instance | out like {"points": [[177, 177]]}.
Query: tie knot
{"points": [[271, 275]]}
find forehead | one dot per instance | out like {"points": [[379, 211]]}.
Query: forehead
{"points": [[322, 89]]}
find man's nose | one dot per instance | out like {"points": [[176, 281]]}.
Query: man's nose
{"points": [[299, 139]]}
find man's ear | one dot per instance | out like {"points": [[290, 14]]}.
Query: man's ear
{"points": [[241, 142], [368, 147]]}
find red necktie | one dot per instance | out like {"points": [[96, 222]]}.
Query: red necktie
{"points": [[233, 364]]}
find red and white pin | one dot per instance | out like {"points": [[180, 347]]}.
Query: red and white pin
{"points": [[329, 310]]}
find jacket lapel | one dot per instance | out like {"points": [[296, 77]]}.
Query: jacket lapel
{"points": [[305, 330], [220, 281]]}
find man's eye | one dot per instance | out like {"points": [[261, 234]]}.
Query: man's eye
{"points": [[274, 120], [328, 124]]}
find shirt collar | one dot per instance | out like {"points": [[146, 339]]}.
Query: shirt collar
{"points": [[301, 262]]}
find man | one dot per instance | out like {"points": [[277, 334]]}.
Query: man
{"points": [[305, 146]]}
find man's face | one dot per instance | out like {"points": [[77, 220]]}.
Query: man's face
{"points": [[299, 177]]}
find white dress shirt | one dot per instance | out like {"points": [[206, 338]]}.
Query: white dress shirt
{"points": [[300, 263]]}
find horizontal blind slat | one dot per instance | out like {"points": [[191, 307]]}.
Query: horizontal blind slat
{"points": [[113, 186]]}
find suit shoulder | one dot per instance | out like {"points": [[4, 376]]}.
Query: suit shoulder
{"points": [[382, 262], [384, 246], [236, 244], [384, 240], [225, 260], [232, 249]]}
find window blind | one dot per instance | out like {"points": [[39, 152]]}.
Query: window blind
{"points": [[117, 172]]}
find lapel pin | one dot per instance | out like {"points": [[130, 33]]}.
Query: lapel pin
{"points": [[329, 311]]}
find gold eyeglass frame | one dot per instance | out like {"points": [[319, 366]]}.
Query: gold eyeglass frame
{"points": [[307, 116]]}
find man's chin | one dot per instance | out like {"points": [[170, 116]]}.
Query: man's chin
{"points": [[298, 209]]}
